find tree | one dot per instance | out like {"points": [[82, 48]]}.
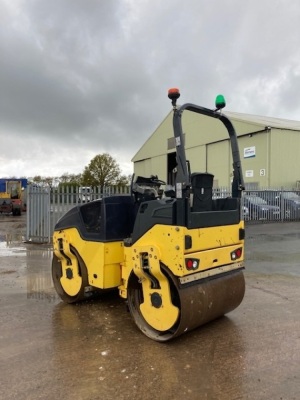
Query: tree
{"points": [[123, 181], [38, 180], [70, 179], [43, 180], [102, 170]]}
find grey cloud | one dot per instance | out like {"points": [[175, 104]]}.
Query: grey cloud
{"points": [[88, 76]]}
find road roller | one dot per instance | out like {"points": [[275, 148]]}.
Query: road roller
{"points": [[175, 256]]}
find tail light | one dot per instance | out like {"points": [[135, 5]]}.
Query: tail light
{"points": [[236, 254], [192, 264]]}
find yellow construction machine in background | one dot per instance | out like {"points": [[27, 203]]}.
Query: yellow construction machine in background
{"points": [[12, 195]]}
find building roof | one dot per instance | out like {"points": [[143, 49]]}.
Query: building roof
{"points": [[262, 122], [265, 121]]}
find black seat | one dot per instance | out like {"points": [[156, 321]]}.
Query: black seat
{"points": [[202, 184], [118, 217]]}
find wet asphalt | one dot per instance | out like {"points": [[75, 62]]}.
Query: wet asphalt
{"points": [[50, 350]]}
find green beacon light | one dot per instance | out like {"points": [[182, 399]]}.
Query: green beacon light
{"points": [[220, 102]]}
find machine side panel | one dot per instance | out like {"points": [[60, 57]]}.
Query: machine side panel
{"points": [[212, 246], [102, 260]]}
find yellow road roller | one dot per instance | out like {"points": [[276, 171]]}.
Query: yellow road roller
{"points": [[176, 256]]}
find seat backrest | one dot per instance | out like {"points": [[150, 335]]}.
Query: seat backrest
{"points": [[202, 184], [118, 217]]}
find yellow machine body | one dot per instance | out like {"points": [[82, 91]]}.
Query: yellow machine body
{"points": [[167, 296], [109, 264], [102, 260], [177, 259], [165, 246]]}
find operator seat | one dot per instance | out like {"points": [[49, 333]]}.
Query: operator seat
{"points": [[202, 183]]}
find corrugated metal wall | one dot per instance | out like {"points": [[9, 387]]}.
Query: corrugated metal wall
{"points": [[274, 162]]}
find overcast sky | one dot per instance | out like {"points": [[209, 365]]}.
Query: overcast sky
{"points": [[84, 77]]}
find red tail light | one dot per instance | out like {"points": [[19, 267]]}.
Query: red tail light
{"points": [[192, 264], [236, 254]]}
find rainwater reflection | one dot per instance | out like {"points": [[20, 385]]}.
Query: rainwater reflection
{"points": [[39, 280], [31, 262], [11, 245]]}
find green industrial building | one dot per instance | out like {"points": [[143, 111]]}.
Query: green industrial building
{"points": [[269, 150]]}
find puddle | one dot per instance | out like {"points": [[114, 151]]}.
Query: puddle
{"points": [[12, 245], [39, 283], [11, 250], [27, 267], [41, 288], [15, 245], [10, 238]]}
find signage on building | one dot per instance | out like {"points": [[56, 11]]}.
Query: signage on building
{"points": [[262, 172], [249, 152], [249, 173]]}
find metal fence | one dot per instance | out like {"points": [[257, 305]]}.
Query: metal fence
{"points": [[45, 206], [38, 215], [272, 205], [267, 204]]}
